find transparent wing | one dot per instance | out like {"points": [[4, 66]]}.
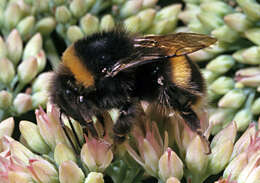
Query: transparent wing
{"points": [[172, 45]]}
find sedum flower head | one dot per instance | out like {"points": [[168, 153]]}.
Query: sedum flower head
{"points": [[150, 147], [96, 154], [19, 67]]}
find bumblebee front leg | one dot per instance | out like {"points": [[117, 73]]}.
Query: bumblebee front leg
{"points": [[191, 119], [89, 128], [127, 116]]}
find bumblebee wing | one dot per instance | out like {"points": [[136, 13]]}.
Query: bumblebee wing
{"points": [[176, 44], [171, 45]]}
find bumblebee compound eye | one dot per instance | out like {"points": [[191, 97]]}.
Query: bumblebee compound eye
{"points": [[68, 92]]}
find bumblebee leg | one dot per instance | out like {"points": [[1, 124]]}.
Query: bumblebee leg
{"points": [[191, 119], [89, 128], [193, 122], [74, 131], [66, 133], [127, 117]]}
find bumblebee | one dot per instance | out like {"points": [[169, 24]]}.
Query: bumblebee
{"points": [[117, 70]]}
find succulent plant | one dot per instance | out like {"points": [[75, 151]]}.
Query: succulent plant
{"points": [[21, 75], [162, 148], [233, 63]]}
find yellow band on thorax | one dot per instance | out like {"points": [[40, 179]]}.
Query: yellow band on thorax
{"points": [[75, 65]]}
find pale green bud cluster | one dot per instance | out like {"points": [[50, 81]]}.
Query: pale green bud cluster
{"points": [[232, 70], [23, 86], [137, 16], [23, 15]]}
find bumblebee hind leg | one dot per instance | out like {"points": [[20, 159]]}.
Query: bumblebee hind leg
{"points": [[128, 115]]}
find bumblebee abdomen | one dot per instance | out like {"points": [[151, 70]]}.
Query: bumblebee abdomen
{"points": [[185, 74]]}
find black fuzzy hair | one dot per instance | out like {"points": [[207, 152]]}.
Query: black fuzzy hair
{"points": [[103, 49]]}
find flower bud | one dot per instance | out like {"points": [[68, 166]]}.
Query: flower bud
{"points": [[22, 103], [216, 7], [190, 13], [222, 85], [41, 60], [170, 165], [33, 46], [12, 15], [59, 2], [172, 180], [251, 8], [220, 117], [38, 85], [248, 76], [238, 22], [90, 4], [228, 133], [201, 55], [70, 172], [39, 99], [45, 26], [249, 170], [196, 159], [7, 71], [14, 45], [209, 20], [3, 49], [243, 142], [132, 24], [25, 27], [21, 177], [220, 156], [221, 64], [43, 171], [181, 29], [94, 177], [31, 134], [221, 34], [1, 16], [74, 33], [168, 12], [27, 70], [254, 176], [63, 153], [107, 23], [96, 154], [149, 3], [5, 99], [208, 75], [253, 35], [78, 8], [130, 8], [3, 3], [49, 126], [235, 166], [212, 96], [255, 107], [41, 6], [197, 27], [62, 14], [233, 99], [6, 127], [251, 55], [89, 24], [243, 118]]}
